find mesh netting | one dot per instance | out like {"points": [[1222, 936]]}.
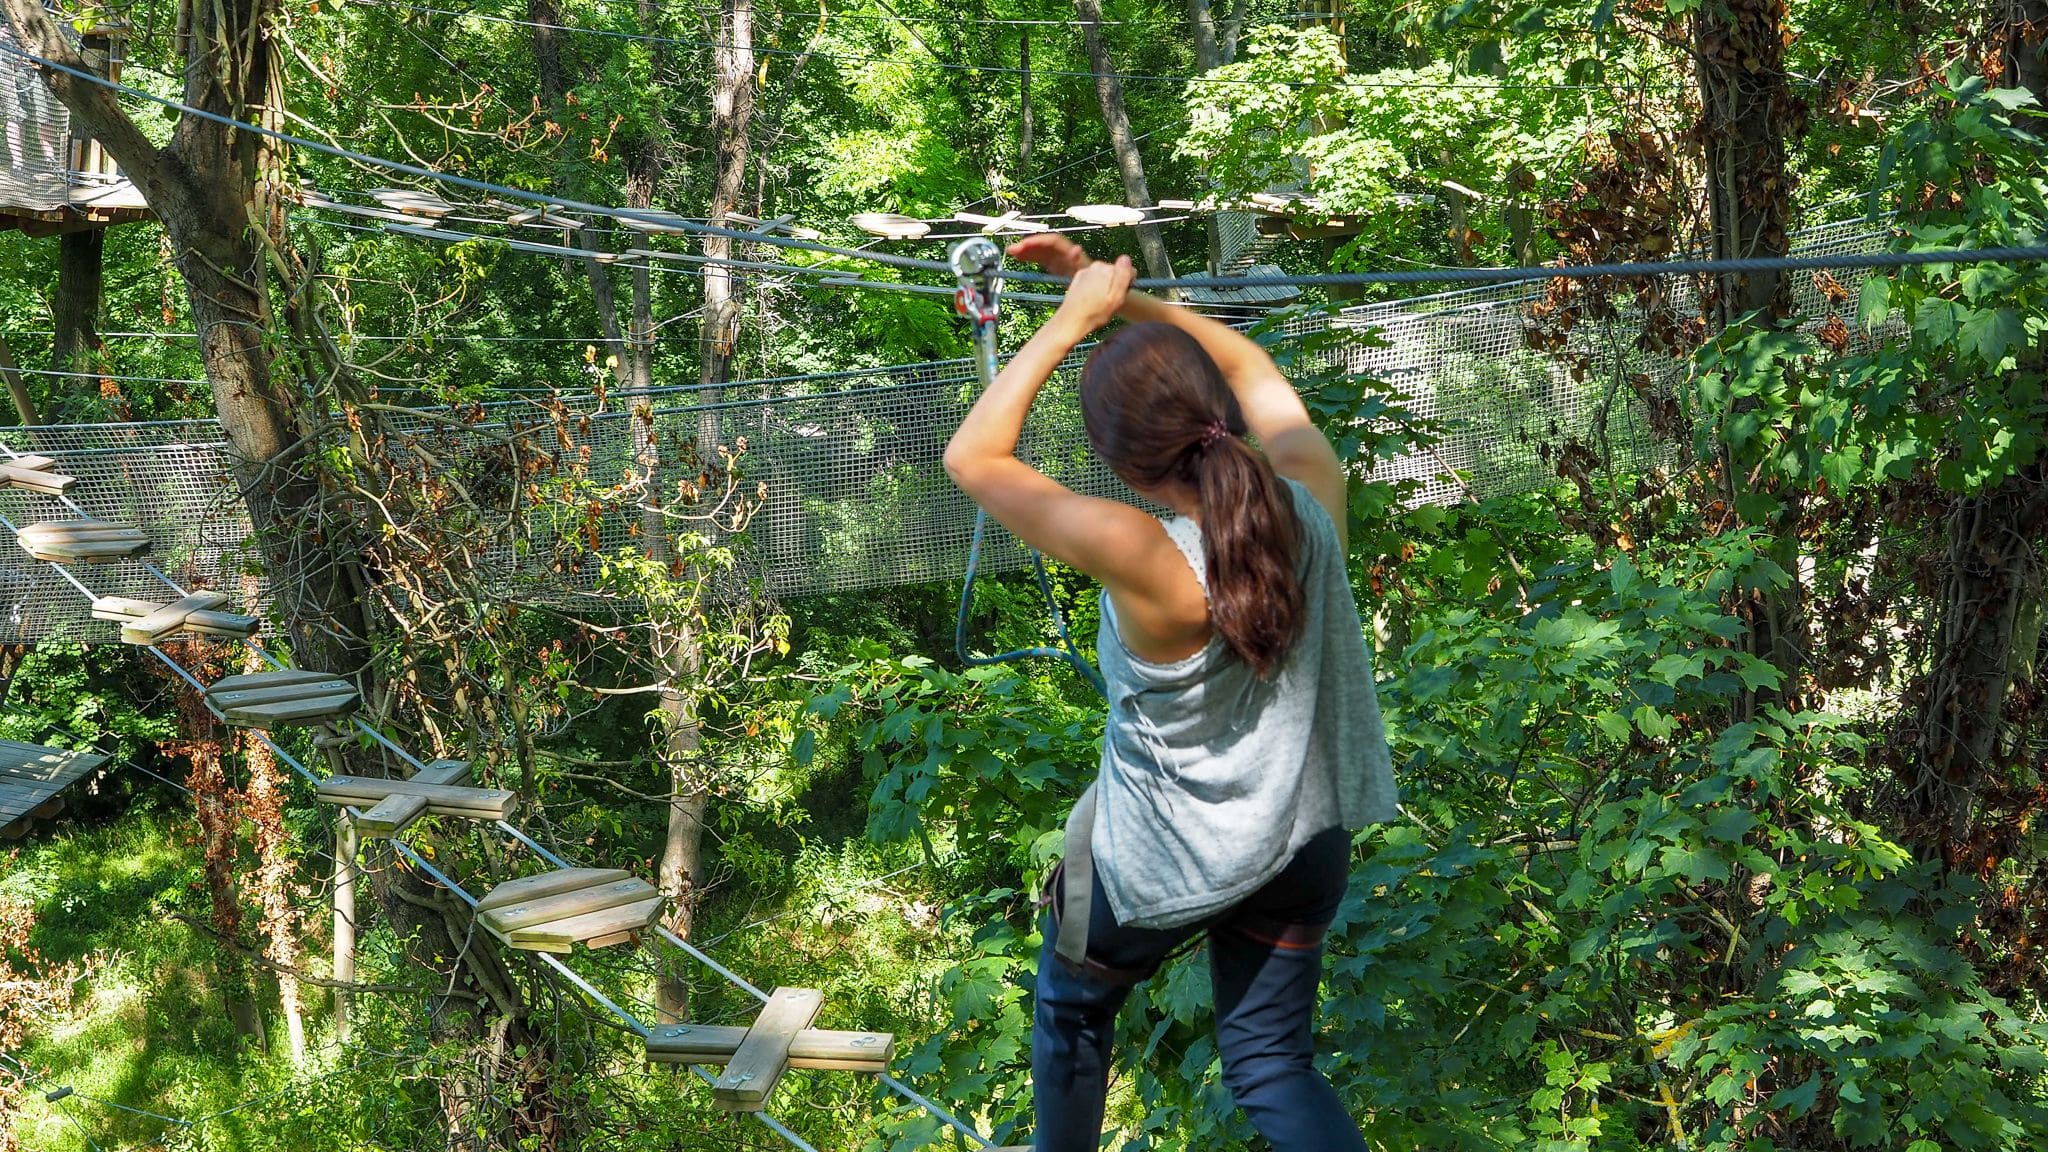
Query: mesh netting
{"points": [[854, 494], [35, 136]]}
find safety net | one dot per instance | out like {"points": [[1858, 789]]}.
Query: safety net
{"points": [[841, 472]]}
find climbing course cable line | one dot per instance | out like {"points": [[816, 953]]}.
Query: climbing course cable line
{"points": [[1729, 266], [627, 1019]]}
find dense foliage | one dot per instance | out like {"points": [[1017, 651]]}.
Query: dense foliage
{"points": [[1721, 763]]}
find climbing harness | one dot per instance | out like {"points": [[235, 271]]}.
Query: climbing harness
{"points": [[978, 267]]}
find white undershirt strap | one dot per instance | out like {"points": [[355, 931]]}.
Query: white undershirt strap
{"points": [[1187, 536]]}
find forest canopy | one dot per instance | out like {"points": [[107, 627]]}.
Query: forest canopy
{"points": [[1707, 610]]}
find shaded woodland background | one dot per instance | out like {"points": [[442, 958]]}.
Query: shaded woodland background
{"points": [[1721, 777]]}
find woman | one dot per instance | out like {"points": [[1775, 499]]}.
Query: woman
{"points": [[1243, 737]]}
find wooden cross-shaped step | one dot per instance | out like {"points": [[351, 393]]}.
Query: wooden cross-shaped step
{"points": [[390, 806], [265, 699], [82, 541], [553, 911], [806, 1047], [33, 473], [147, 621], [779, 1039]]}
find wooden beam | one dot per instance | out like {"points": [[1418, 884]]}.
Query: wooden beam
{"points": [[123, 610], [35, 478], [815, 1048], [24, 405], [543, 884], [390, 816], [396, 812], [169, 618], [565, 905], [757, 1065], [595, 929], [470, 803]]}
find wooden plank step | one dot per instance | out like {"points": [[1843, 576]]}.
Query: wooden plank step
{"points": [[82, 541], [277, 693], [757, 1065], [450, 772], [123, 610], [33, 473], [265, 679], [397, 810], [542, 884], [564, 905], [390, 816], [449, 799], [412, 202], [305, 710], [261, 699], [598, 929], [815, 1048], [81, 530], [169, 618]]}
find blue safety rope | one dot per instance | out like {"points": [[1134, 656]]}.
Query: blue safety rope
{"points": [[978, 265]]}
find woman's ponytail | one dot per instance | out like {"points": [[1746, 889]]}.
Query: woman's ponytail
{"points": [[1159, 411], [1250, 535]]}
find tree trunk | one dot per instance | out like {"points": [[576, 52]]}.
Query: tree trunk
{"points": [[345, 849], [1990, 597], [1109, 92], [1026, 125], [1233, 31], [1207, 54], [76, 311], [676, 647], [1747, 112], [2026, 64]]}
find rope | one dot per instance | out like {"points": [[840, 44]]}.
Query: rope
{"points": [[647, 215], [1335, 279], [978, 265]]}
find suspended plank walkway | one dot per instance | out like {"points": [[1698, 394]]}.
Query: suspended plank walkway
{"points": [[31, 776]]}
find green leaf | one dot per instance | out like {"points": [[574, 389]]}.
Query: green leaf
{"points": [[1989, 333], [1934, 321], [1797, 1100], [804, 749], [1675, 667], [1484, 59], [1731, 825], [1876, 303], [1613, 724]]}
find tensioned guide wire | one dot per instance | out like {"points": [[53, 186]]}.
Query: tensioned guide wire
{"points": [[2012, 253]]}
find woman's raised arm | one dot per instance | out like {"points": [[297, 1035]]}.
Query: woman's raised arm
{"points": [[1273, 411]]}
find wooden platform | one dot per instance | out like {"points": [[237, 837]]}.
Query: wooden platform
{"points": [[31, 776], [388, 807], [780, 1038], [554, 911], [148, 621], [292, 696], [82, 541]]}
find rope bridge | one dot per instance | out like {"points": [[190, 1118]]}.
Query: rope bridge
{"points": [[855, 495]]}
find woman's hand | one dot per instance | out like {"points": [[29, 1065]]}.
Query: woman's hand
{"points": [[1097, 294], [1052, 252]]}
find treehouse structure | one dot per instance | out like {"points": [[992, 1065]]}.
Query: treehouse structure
{"points": [[52, 179]]}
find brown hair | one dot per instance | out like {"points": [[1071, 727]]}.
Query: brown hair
{"points": [[1158, 410]]}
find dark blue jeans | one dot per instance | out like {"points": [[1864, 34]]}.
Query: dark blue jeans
{"points": [[1265, 967]]}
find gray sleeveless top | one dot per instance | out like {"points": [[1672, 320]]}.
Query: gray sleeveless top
{"points": [[1211, 778]]}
